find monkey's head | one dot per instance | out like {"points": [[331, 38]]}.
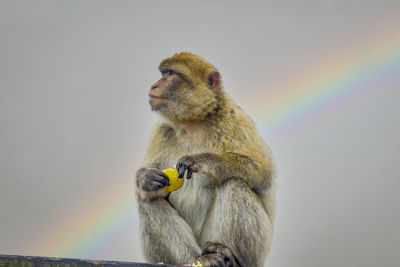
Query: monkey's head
{"points": [[188, 90]]}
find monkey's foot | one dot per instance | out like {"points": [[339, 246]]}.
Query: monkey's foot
{"points": [[217, 255]]}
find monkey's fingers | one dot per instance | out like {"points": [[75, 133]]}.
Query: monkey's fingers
{"points": [[181, 168], [163, 175], [153, 186], [161, 178], [189, 173]]}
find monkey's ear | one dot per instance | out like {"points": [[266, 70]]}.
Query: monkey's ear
{"points": [[213, 79]]}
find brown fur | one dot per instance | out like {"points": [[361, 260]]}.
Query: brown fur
{"points": [[230, 199]]}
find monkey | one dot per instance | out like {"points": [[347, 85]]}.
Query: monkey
{"points": [[223, 214]]}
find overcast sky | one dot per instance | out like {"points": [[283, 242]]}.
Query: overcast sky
{"points": [[321, 79]]}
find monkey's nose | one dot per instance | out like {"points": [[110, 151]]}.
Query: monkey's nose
{"points": [[154, 86]]}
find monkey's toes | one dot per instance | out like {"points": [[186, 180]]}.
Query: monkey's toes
{"points": [[214, 260], [220, 251], [215, 248]]}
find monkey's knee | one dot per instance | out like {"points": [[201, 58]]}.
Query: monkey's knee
{"points": [[242, 222], [239, 208], [236, 190]]}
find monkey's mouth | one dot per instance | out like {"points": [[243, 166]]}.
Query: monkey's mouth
{"points": [[157, 102], [157, 97]]}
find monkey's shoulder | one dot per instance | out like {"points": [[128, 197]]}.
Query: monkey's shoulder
{"points": [[237, 127], [163, 136]]}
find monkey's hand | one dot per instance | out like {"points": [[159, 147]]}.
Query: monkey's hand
{"points": [[190, 163], [217, 255], [151, 179]]}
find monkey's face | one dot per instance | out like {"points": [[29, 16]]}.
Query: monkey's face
{"points": [[182, 97], [159, 94]]}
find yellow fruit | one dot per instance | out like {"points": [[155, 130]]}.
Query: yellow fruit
{"points": [[174, 181]]}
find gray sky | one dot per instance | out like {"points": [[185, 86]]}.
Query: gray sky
{"points": [[74, 119]]}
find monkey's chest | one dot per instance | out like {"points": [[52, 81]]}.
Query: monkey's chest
{"points": [[193, 201]]}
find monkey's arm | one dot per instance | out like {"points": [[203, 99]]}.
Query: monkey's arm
{"points": [[149, 178], [166, 236], [222, 166]]}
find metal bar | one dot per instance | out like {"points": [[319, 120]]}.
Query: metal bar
{"points": [[29, 261]]}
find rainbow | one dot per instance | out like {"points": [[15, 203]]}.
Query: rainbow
{"points": [[328, 84], [364, 68], [87, 232]]}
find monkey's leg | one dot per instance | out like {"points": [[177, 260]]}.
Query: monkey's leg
{"points": [[166, 237], [241, 223]]}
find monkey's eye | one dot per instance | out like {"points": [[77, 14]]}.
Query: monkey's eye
{"points": [[168, 72]]}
